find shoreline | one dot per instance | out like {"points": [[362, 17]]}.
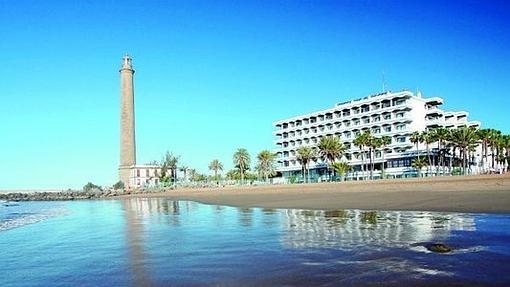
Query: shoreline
{"points": [[466, 194]]}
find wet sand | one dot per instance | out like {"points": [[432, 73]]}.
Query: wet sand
{"points": [[478, 194]]}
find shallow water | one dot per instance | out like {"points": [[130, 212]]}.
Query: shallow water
{"points": [[159, 242]]}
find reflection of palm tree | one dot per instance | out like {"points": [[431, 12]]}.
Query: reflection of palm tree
{"points": [[369, 217]]}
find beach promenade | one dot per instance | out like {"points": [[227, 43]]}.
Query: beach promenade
{"points": [[479, 194]]}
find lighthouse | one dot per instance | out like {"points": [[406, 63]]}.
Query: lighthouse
{"points": [[127, 121]]}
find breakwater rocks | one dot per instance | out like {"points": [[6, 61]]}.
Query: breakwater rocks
{"points": [[61, 195], [76, 194]]}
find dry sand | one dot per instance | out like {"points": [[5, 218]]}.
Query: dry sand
{"points": [[481, 194]]}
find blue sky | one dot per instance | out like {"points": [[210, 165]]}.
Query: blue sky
{"points": [[212, 76]]}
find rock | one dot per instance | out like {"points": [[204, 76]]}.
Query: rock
{"points": [[439, 247]]}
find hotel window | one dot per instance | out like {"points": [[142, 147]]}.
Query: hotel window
{"points": [[291, 124], [401, 139], [355, 111], [329, 116], [347, 124], [292, 153], [387, 129], [285, 163], [366, 120], [307, 131], [400, 102], [346, 113], [377, 119], [285, 144], [306, 121], [147, 173], [376, 130], [337, 114], [387, 116], [321, 118], [400, 127], [314, 140], [365, 109], [321, 128], [330, 127], [299, 133], [356, 122], [313, 120], [137, 173], [399, 115], [307, 141]]}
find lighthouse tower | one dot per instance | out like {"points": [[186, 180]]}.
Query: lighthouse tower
{"points": [[127, 121]]}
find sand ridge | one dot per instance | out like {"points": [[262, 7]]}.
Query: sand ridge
{"points": [[478, 194]]}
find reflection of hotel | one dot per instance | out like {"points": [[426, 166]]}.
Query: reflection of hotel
{"points": [[396, 115], [355, 227]]}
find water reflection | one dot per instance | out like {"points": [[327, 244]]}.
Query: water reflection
{"points": [[349, 228], [135, 242]]}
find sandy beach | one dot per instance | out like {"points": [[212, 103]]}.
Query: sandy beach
{"points": [[478, 194]]}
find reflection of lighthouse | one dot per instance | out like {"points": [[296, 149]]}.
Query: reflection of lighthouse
{"points": [[127, 120], [355, 227]]}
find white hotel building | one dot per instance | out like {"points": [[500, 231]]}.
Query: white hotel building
{"points": [[393, 114]]}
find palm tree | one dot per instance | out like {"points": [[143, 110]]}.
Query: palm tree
{"points": [[330, 148], [241, 160], [169, 162], [304, 155], [464, 139], [441, 136], [184, 170], [419, 163], [416, 138], [341, 168], [361, 141], [427, 138], [266, 165], [385, 141], [484, 136], [215, 166], [492, 141], [506, 146], [373, 145]]}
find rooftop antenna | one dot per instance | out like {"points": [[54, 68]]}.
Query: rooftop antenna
{"points": [[383, 83]]}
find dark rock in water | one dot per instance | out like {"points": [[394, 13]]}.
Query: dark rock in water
{"points": [[439, 247], [434, 247]]}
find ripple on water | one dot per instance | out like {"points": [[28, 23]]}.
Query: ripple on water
{"points": [[17, 218]]}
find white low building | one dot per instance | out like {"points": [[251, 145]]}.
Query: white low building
{"points": [[393, 114], [144, 175]]}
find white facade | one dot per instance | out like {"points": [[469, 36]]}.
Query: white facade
{"points": [[144, 175], [393, 114]]}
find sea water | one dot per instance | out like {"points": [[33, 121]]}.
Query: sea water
{"points": [[160, 242]]}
